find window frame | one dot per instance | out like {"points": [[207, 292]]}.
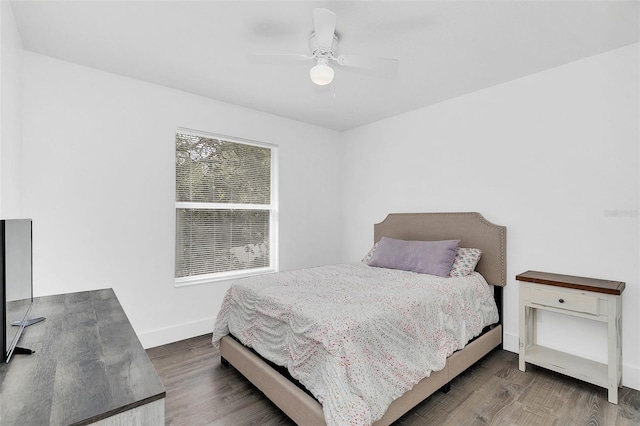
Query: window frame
{"points": [[272, 208]]}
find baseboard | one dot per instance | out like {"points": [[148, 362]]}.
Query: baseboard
{"points": [[630, 374], [163, 336], [510, 342]]}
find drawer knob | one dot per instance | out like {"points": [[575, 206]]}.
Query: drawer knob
{"points": [[561, 300]]}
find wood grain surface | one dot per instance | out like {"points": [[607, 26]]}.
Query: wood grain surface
{"points": [[88, 364], [493, 392], [572, 281]]}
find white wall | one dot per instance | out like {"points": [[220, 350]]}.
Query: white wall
{"points": [[10, 113], [549, 156], [98, 180]]}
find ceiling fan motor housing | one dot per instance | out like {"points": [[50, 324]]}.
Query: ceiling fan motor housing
{"points": [[323, 51]]}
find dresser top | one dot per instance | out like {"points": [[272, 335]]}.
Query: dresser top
{"points": [[88, 364], [570, 281]]}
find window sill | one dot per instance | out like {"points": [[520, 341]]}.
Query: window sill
{"points": [[226, 276]]}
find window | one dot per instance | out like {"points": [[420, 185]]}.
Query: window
{"points": [[226, 209]]}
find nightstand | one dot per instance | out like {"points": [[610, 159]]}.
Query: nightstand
{"points": [[589, 298]]}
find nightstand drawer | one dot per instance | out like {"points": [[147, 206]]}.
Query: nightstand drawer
{"points": [[563, 300]]}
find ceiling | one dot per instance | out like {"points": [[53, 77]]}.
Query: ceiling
{"points": [[445, 48]]}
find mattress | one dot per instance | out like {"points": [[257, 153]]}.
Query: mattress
{"points": [[357, 337]]}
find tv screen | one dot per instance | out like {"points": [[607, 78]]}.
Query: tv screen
{"points": [[16, 275]]}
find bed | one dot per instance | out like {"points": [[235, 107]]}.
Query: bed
{"points": [[473, 231]]}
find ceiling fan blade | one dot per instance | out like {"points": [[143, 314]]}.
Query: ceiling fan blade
{"points": [[383, 66], [324, 25], [277, 58]]}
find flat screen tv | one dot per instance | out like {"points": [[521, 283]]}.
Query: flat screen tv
{"points": [[16, 284]]}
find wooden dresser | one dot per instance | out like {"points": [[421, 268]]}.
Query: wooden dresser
{"points": [[88, 367]]}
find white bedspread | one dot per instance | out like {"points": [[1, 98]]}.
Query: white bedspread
{"points": [[356, 336]]}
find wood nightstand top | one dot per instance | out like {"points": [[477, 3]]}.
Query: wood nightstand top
{"points": [[570, 281]]}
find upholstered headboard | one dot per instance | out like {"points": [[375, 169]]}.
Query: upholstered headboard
{"points": [[472, 229]]}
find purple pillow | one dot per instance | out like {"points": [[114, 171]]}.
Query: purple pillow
{"points": [[426, 257]]}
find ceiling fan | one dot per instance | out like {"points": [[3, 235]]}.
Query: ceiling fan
{"points": [[323, 46]]}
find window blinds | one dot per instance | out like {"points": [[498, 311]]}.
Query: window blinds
{"points": [[217, 171], [223, 206]]}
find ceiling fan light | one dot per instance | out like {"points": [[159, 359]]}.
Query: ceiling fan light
{"points": [[321, 74]]}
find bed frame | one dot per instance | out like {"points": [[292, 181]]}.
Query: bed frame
{"points": [[472, 230]]}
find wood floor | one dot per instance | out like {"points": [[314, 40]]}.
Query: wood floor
{"points": [[492, 392]]}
